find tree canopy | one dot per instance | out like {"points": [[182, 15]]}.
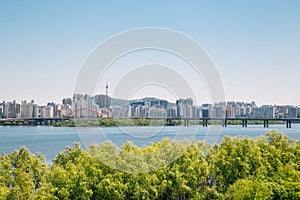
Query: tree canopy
{"points": [[267, 167]]}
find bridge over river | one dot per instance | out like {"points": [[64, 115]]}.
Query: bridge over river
{"points": [[244, 121], [31, 121], [169, 121]]}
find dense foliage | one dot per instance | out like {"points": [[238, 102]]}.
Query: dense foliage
{"points": [[267, 167]]}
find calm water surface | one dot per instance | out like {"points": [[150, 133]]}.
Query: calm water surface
{"points": [[51, 140]]}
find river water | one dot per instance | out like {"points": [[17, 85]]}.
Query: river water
{"points": [[51, 140]]}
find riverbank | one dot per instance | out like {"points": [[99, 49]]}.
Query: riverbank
{"points": [[114, 122], [110, 122]]}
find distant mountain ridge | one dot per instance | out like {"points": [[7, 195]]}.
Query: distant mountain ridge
{"points": [[124, 102]]}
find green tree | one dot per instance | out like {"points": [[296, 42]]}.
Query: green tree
{"points": [[22, 176]]}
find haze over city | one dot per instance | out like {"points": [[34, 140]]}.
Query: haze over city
{"points": [[254, 45]]}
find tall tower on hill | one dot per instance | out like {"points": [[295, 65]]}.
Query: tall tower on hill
{"points": [[106, 87]]}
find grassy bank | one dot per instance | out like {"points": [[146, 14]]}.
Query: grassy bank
{"points": [[111, 122]]}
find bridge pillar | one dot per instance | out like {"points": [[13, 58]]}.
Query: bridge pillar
{"points": [[266, 123], [186, 122], [224, 123], [167, 122], [288, 124], [244, 122], [205, 122]]}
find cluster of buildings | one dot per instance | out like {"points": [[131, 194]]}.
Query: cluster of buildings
{"points": [[84, 106], [248, 110], [184, 108], [29, 110], [87, 106]]}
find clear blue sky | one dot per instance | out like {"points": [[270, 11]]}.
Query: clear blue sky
{"points": [[254, 44]]}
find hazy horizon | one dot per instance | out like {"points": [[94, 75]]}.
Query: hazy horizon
{"points": [[254, 45]]}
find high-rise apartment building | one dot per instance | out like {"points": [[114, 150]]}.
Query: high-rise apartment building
{"points": [[83, 106], [184, 108], [269, 111], [265, 111], [28, 109], [292, 112], [67, 101]]}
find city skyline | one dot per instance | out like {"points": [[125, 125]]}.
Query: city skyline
{"points": [[254, 45], [83, 105], [143, 97]]}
